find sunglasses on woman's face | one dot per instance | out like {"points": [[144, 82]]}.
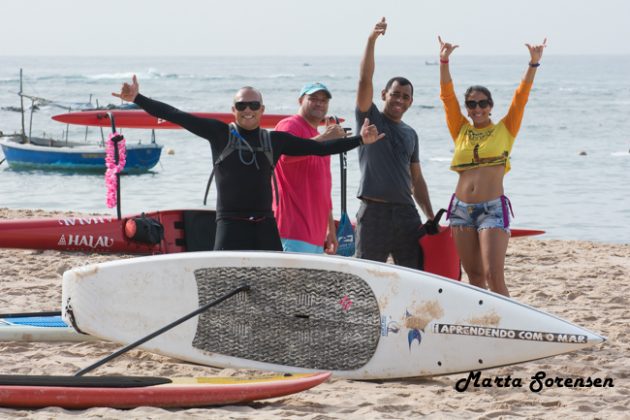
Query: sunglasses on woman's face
{"points": [[253, 105], [483, 104]]}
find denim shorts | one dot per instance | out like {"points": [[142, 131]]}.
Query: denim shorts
{"points": [[484, 215]]}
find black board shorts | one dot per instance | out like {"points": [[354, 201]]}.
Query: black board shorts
{"points": [[385, 229]]}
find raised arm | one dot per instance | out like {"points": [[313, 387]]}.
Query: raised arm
{"points": [[446, 49], [535, 53], [454, 117], [128, 92], [203, 127], [365, 92], [516, 111]]}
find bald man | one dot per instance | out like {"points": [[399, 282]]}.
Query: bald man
{"points": [[245, 219]]}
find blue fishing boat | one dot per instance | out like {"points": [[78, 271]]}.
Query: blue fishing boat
{"points": [[41, 153], [26, 151]]}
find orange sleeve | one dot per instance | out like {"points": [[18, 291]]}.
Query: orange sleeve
{"points": [[454, 118], [514, 116]]}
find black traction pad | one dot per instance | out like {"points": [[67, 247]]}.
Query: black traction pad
{"points": [[317, 319]]}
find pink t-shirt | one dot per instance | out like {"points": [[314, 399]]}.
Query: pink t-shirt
{"points": [[304, 185]]}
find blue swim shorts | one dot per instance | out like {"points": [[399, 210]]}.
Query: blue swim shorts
{"points": [[293, 245]]}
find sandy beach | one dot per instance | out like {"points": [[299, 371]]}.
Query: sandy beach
{"points": [[583, 282]]}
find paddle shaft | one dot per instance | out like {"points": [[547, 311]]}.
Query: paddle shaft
{"points": [[343, 165], [345, 231], [162, 330], [343, 162]]}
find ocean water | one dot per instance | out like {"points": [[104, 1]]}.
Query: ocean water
{"points": [[570, 165]]}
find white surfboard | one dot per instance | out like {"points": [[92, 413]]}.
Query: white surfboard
{"points": [[359, 319], [39, 328]]}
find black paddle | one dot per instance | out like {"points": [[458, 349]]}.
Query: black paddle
{"points": [[345, 231], [162, 330], [2, 161]]}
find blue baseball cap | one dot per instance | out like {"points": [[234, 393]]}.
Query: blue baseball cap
{"points": [[311, 88]]}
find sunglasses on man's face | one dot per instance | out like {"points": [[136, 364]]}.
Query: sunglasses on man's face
{"points": [[253, 105], [483, 104]]}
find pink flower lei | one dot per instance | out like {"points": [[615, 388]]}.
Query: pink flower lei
{"points": [[111, 181]]}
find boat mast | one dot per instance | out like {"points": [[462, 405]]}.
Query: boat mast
{"points": [[30, 124], [22, 107]]}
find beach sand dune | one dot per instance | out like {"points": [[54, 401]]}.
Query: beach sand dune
{"points": [[582, 282]]}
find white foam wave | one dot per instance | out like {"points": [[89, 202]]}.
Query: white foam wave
{"points": [[151, 73], [281, 76]]}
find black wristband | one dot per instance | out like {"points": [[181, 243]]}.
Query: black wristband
{"points": [[534, 64]]}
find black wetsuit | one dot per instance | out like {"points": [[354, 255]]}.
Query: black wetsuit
{"points": [[244, 216]]}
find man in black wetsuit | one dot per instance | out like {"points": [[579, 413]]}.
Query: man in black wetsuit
{"points": [[245, 220]]}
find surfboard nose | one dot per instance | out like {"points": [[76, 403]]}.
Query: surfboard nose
{"points": [[593, 338], [580, 335]]}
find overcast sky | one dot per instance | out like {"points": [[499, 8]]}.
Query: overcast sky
{"points": [[315, 27]]}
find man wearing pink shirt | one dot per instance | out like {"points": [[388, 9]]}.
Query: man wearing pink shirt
{"points": [[304, 211]]}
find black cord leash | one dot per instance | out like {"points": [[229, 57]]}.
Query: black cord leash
{"points": [[31, 314], [162, 330]]}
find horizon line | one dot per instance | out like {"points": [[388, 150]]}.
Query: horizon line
{"points": [[34, 55]]}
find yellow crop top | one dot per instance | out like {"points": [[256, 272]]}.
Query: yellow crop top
{"points": [[489, 146]]}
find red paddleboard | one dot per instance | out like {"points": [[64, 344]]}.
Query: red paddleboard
{"points": [[131, 391], [183, 231], [516, 233], [141, 119]]}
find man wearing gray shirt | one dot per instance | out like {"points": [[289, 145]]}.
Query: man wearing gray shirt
{"points": [[388, 221]]}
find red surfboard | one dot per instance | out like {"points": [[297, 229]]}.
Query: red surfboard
{"points": [[78, 392], [141, 119]]}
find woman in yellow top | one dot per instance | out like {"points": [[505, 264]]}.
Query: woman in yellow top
{"points": [[479, 211]]}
